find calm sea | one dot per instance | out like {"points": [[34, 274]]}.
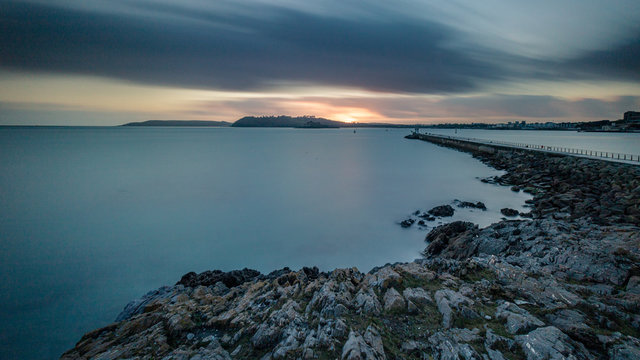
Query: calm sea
{"points": [[91, 218]]}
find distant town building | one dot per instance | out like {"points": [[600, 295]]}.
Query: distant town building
{"points": [[632, 116]]}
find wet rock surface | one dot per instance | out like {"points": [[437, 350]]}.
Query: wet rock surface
{"points": [[442, 211], [562, 284], [473, 205], [509, 212]]}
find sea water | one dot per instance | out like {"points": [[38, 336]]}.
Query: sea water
{"points": [[92, 218]]}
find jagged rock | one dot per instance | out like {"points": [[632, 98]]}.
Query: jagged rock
{"points": [[367, 347], [519, 321], [633, 285], [493, 343], [468, 204], [509, 212], [266, 336], [426, 217], [628, 350], [270, 331], [572, 323], [453, 239], [367, 302], [383, 278], [393, 301], [447, 301], [550, 343], [450, 345], [407, 223], [333, 298], [416, 270], [417, 296], [442, 211], [230, 279]]}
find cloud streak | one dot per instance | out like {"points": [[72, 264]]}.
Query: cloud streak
{"points": [[239, 51]]}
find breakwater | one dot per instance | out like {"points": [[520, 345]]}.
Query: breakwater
{"points": [[488, 145], [564, 283]]}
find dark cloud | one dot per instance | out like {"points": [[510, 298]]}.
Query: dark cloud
{"points": [[237, 52], [618, 62], [161, 43]]}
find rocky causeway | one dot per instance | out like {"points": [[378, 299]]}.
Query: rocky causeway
{"points": [[560, 282]]}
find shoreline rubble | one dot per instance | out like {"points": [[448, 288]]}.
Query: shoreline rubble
{"points": [[564, 283]]}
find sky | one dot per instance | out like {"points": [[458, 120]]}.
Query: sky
{"points": [[94, 62]]}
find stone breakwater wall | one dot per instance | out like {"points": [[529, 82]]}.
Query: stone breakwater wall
{"points": [[564, 284], [456, 143]]}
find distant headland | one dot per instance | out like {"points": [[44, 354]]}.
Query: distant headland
{"points": [[288, 121], [305, 122]]}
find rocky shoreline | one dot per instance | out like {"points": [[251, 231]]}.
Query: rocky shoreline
{"points": [[563, 284]]}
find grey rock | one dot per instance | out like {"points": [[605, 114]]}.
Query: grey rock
{"points": [[368, 347], [549, 343], [367, 302], [519, 321], [417, 295], [447, 301], [633, 285], [446, 345], [572, 323], [442, 211], [383, 278], [393, 301], [629, 350], [509, 212]]}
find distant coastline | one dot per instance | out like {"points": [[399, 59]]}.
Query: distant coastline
{"points": [[282, 121], [178, 123], [630, 123]]}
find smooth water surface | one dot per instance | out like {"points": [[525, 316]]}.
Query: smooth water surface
{"points": [[91, 218]]}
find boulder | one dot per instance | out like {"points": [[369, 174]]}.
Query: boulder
{"points": [[393, 301], [383, 277], [442, 211], [367, 302], [468, 204], [451, 240], [407, 223], [509, 212], [417, 296]]}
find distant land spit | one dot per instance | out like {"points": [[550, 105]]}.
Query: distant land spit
{"points": [[178, 123]]}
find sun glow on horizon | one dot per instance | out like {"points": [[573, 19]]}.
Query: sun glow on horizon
{"points": [[355, 115]]}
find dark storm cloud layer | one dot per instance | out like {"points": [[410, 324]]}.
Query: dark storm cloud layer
{"points": [[621, 62], [246, 53], [220, 50]]}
